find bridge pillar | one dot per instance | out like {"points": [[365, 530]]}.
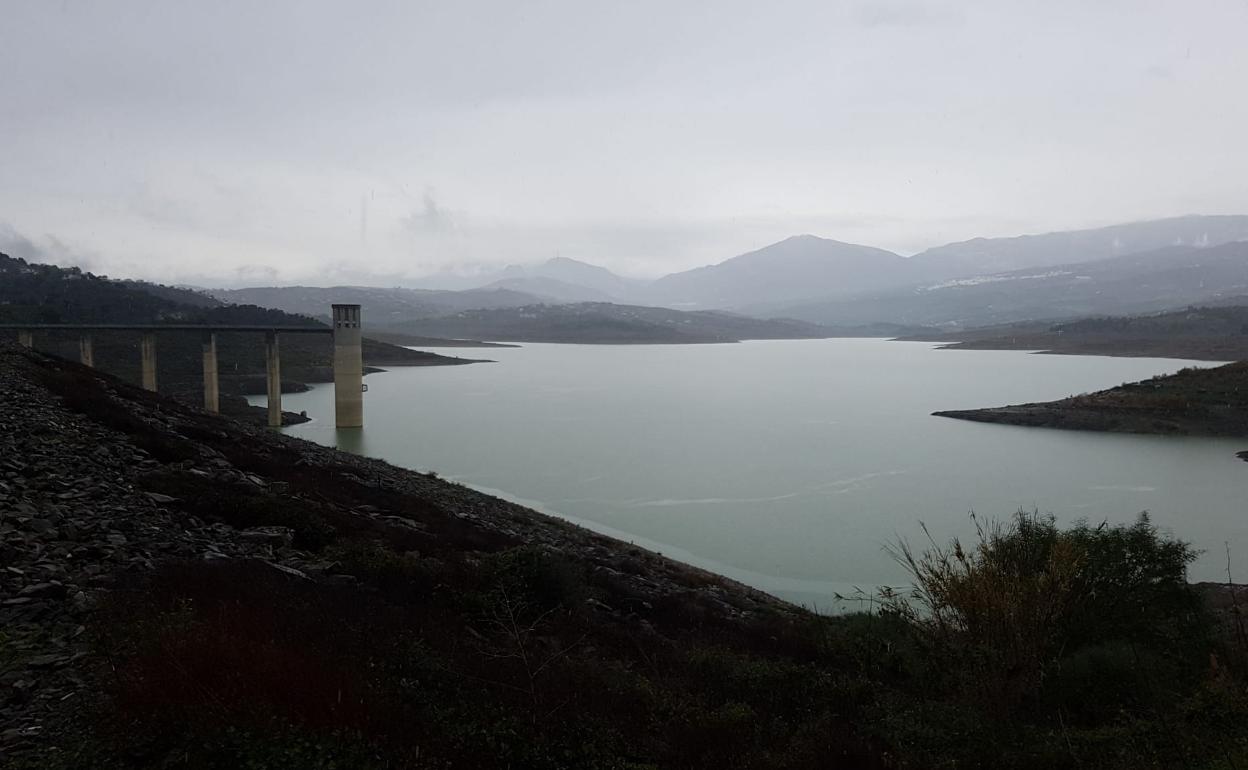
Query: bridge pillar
{"points": [[26, 338], [147, 352], [348, 367], [212, 398], [274, 371], [86, 351]]}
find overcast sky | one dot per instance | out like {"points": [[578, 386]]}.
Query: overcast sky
{"points": [[230, 143]]}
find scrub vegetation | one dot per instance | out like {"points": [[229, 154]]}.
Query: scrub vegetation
{"points": [[1072, 647]]}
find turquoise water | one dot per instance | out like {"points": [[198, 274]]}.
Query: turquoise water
{"points": [[789, 465]]}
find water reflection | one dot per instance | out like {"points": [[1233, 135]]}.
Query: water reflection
{"points": [[353, 440]]}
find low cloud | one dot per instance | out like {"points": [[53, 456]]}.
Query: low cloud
{"points": [[15, 244], [47, 249], [894, 13], [431, 219], [256, 275]]}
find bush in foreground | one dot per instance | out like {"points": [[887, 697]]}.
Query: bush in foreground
{"points": [[1087, 620]]}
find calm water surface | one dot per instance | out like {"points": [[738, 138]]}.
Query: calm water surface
{"points": [[788, 465]]}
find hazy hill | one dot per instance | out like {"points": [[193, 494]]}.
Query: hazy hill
{"points": [[1206, 333], [551, 289], [1135, 283], [562, 278], [999, 255], [579, 273], [180, 294], [799, 268], [599, 322]]}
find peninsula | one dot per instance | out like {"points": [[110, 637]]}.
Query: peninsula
{"points": [[1191, 402]]}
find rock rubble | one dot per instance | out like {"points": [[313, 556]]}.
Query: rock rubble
{"points": [[71, 521]]}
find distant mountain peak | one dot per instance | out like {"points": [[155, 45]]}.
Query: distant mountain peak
{"points": [[984, 256], [555, 261], [818, 239], [796, 268]]}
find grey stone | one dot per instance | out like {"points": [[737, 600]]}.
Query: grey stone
{"points": [[275, 536], [53, 660], [39, 526], [43, 590]]}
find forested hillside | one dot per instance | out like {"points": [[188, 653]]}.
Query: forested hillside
{"points": [[33, 293]]}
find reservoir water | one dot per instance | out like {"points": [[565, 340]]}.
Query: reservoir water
{"points": [[788, 465]]}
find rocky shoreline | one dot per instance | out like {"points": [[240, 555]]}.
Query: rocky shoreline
{"points": [[90, 473]]}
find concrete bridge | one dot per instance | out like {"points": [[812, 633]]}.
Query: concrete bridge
{"points": [[348, 357]]}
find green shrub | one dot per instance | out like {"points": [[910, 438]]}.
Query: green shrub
{"points": [[1133, 586], [1008, 613]]}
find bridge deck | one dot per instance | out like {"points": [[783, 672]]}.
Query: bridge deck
{"points": [[171, 328]]}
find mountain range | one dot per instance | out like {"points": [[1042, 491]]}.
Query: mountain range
{"points": [[801, 287], [1128, 268], [806, 267], [1146, 282]]}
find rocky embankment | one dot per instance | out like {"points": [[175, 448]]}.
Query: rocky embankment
{"points": [[73, 518], [103, 486]]}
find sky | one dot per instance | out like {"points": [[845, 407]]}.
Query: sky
{"points": [[241, 143]]}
